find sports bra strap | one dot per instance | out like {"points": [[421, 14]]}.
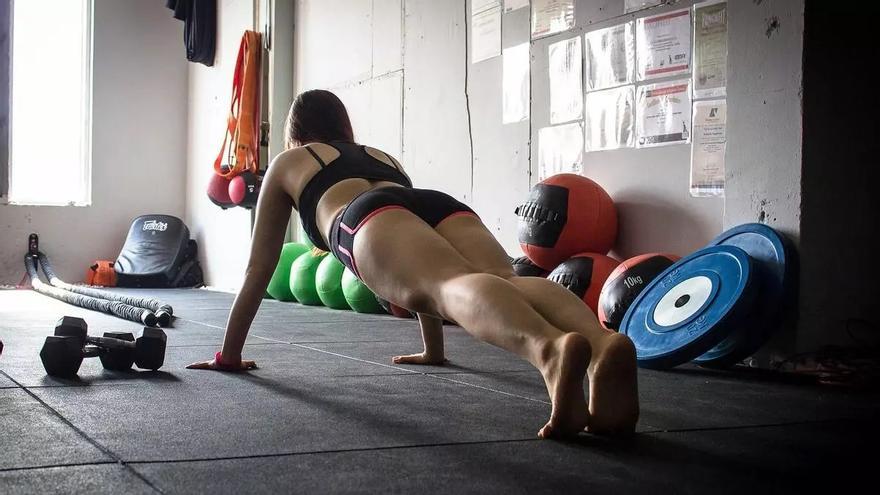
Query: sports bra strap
{"points": [[316, 156]]}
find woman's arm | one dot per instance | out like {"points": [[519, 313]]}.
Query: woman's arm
{"points": [[432, 335], [273, 215]]}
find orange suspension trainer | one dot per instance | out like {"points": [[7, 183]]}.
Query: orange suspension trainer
{"points": [[237, 181]]}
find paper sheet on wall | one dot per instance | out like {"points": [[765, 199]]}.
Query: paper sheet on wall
{"points": [[478, 6], [486, 34], [511, 5], [609, 119], [560, 150], [663, 114], [515, 84], [710, 49], [709, 146], [663, 43], [566, 74], [610, 57], [634, 5], [551, 16]]}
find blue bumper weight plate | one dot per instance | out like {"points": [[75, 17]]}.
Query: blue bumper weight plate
{"points": [[773, 259], [691, 307]]}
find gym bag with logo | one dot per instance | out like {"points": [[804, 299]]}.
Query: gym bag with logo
{"points": [[158, 253]]}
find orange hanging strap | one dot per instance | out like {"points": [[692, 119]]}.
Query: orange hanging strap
{"points": [[243, 123]]}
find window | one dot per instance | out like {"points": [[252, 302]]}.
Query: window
{"points": [[49, 102]]}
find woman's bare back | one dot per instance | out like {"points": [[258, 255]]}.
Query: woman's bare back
{"points": [[299, 167]]}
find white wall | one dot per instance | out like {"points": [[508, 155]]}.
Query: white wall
{"points": [[138, 148], [223, 235], [351, 47], [364, 68]]}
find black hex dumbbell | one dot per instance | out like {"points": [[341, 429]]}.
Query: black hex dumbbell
{"points": [[62, 356], [121, 348], [117, 350]]}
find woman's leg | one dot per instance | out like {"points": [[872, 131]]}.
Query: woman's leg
{"points": [[407, 262], [612, 371]]}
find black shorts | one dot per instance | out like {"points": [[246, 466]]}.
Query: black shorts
{"points": [[431, 206]]}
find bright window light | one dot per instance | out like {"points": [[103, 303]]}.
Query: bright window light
{"points": [[50, 114]]}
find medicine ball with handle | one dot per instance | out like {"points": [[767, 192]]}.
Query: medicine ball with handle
{"points": [[584, 274], [564, 215]]}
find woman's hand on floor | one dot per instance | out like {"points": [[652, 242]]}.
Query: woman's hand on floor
{"points": [[420, 358], [212, 364]]}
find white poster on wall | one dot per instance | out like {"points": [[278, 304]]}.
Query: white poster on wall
{"points": [[515, 84], [560, 150], [663, 43], [478, 6], [511, 5], [610, 56], [709, 147], [551, 16], [634, 5], [663, 114], [710, 49], [609, 119], [566, 74], [486, 29]]}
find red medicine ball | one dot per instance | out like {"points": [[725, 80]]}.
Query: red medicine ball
{"points": [[627, 282], [584, 275], [245, 188], [523, 267], [218, 191], [566, 214], [395, 310]]}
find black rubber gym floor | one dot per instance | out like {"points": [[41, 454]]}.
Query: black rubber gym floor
{"points": [[328, 412]]}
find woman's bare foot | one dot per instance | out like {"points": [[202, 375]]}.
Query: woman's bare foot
{"points": [[564, 375], [420, 358], [614, 394]]}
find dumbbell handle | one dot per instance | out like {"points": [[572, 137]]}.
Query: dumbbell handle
{"points": [[92, 351], [110, 343]]}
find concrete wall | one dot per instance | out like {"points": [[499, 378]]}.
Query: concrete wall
{"points": [[138, 147], [401, 71], [223, 235], [765, 114], [365, 69], [490, 165]]}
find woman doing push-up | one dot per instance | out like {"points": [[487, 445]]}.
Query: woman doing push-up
{"points": [[427, 252]]}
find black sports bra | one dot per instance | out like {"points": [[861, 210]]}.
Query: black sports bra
{"points": [[353, 163]]}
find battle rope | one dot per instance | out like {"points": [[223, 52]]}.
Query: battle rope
{"points": [[122, 310], [163, 311]]}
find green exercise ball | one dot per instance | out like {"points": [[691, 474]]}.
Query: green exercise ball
{"points": [[328, 282], [302, 278], [303, 238], [358, 295], [279, 284]]}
